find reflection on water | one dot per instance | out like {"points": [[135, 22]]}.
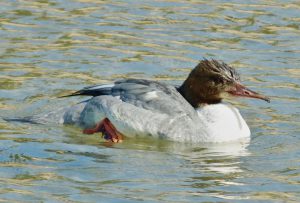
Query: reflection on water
{"points": [[49, 48]]}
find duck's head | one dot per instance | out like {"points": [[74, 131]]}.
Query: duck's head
{"points": [[210, 80]]}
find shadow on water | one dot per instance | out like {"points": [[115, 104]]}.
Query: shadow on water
{"points": [[204, 165]]}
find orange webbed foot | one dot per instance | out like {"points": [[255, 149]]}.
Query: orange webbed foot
{"points": [[108, 130]]}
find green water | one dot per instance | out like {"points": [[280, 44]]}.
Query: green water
{"points": [[50, 48]]}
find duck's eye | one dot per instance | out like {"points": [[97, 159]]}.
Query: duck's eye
{"points": [[229, 82], [217, 80]]}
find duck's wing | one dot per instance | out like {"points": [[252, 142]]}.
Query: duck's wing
{"points": [[147, 94]]}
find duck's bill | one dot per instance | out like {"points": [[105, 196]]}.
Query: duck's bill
{"points": [[242, 91]]}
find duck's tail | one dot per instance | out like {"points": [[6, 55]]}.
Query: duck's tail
{"points": [[27, 119]]}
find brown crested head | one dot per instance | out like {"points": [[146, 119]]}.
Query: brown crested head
{"points": [[209, 80]]}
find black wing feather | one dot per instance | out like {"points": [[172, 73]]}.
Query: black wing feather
{"points": [[91, 91]]}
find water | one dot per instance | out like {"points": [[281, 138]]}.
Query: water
{"points": [[50, 48]]}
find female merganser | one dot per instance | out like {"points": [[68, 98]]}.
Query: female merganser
{"points": [[192, 112]]}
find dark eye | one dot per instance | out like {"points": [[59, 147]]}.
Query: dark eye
{"points": [[229, 82], [216, 79]]}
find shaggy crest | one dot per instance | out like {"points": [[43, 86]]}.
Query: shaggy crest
{"points": [[220, 68]]}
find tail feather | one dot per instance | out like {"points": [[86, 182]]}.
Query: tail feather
{"points": [[94, 91], [22, 120]]}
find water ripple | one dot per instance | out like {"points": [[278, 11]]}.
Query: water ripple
{"points": [[50, 48]]}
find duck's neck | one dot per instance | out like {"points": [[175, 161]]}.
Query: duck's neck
{"points": [[196, 94]]}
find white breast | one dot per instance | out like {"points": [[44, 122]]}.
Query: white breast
{"points": [[224, 122]]}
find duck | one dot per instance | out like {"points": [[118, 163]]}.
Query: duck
{"points": [[192, 112]]}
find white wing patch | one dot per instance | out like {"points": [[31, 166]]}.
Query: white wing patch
{"points": [[101, 86], [150, 96]]}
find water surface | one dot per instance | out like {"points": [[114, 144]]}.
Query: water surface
{"points": [[50, 48]]}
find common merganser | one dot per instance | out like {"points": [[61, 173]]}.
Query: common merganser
{"points": [[192, 112]]}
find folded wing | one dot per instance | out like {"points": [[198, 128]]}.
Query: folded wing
{"points": [[151, 95]]}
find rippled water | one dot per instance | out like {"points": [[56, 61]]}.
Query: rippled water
{"points": [[50, 48]]}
